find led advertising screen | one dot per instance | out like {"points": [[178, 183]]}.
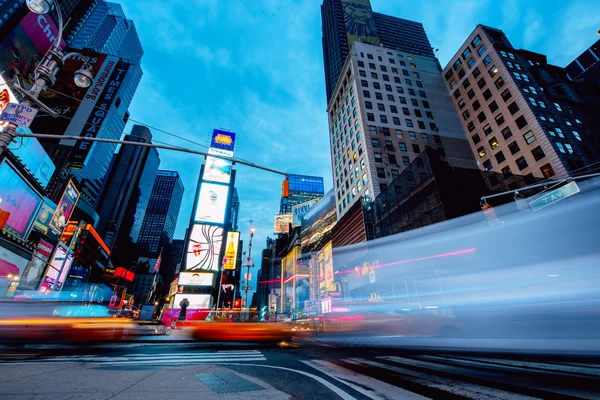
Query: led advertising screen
{"points": [[10, 263], [299, 210], [282, 223], [31, 153], [56, 263], [36, 266], [195, 279], [231, 250], [317, 224], [217, 170], [44, 215], [17, 198], [223, 140], [194, 300], [203, 248], [64, 209], [212, 202]]}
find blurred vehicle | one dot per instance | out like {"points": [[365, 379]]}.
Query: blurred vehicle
{"points": [[245, 331], [57, 322]]}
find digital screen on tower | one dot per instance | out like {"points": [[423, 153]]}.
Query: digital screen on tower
{"points": [[223, 140], [212, 202], [17, 199], [231, 250], [217, 170], [204, 248]]}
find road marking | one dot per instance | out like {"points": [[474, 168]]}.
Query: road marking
{"points": [[379, 390], [322, 381]]}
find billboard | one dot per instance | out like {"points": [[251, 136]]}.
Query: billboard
{"points": [[69, 232], [217, 170], [212, 202], [231, 250], [36, 266], [195, 279], [56, 264], [194, 300], [223, 140], [325, 277], [31, 153], [10, 263], [104, 99], [204, 248], [65, 207], [317, 224], [17, 198], [282, 223], [299, 210], [360, 22], [146, 264], [44, 215]]}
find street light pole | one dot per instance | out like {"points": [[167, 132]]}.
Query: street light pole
{"points": [[249, 264], [45, 72]]}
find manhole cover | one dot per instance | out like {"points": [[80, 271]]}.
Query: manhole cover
{"points": [[227, 382]]}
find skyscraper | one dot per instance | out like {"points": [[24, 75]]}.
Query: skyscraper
{"points": [[302, 188], [347, 21], [160, 220], [521, 114], [127, 190], [388, 105], [587, 65]]}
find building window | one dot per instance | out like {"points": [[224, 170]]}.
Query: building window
{"points": [[493, 71], [395, 173], [416, 148], [487, 165], [416, 75], [514, 148], [499, 82], [390, 97], [471, 126], [381, 173], [576, 134], [429, 114], [405, 110], [506, 95], [378, 96], [405, 72], [376, 85], [481, 83], [471, 94], [368, 105], [388, 88], [529, 137], [362, 73], [394, 109], [421, 124], [475, 138], [506, 171], [547, 171], [361, 63], [402, 99], [366, 94], [560, 147], [392, 159], [371, 65], [538, 153], [506, 133], [399, 133], [396, 121], [372, 130], [397, 80], [402, 146], [481, 116], [500, 157], [487, 60], [409, 123], [476, 41], [487, 94], [375, 142], [448, 75], [466, 53], [425, 104], [466, 115], [493, 142], [383, 67], [386, 131], [521, 122], [461, 73], [374, 75], [513, 108], [380, 107], [461, 104], [378, 157], [476, 72], [466, 83], [422, 94], [412, 135], [532, 101], [413, 65], [405, 161], [399, 89], [521, 163], [471, 62], [499, 119], [557, 106], [481, 151], [389, 145], [493, 106], [371, 117]]}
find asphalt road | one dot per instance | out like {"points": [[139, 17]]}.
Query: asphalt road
{"points": [[185, 370]]}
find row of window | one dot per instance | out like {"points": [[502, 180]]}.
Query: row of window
{"points": [[394, 110], [388, 88], [376, 85], [386, 77]]}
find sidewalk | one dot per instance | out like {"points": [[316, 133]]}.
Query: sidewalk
{"points": [[80, 381]]}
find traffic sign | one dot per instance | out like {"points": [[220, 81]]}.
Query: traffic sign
{"points": [[555, 195], [246, 287], [18, 114]]}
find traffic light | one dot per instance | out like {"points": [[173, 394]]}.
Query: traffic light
{"points": [[237, 303], [285, 188]]}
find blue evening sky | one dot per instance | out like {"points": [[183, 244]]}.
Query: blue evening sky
{"points": [[256, 68]]}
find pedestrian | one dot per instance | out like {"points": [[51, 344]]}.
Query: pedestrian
{"points": [[183, 305]]}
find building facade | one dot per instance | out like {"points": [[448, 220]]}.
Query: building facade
{"points": [[302, 188], [587, 65], [345, 21], [126, 193], [161, 215], [516, 121], [386, 109]]}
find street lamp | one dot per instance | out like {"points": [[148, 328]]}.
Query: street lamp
{"points": [[46, 71]]}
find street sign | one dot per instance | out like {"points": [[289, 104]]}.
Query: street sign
{"points": [[246, 287], [18, 114], [248, 262], [555, 195]]}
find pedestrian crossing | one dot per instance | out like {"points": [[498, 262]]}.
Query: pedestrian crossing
{"points": [[162, 359], [465, 377]]}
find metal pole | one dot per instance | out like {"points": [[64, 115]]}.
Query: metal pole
{"points": [[156, 146]]}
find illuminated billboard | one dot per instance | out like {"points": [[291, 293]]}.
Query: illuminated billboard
{"points": [[299, 210], [195, 279], [44, 215], [54, 269], [204, 248], [65, 207], [194, 300], [223, 140], [231, 250], [36, 266], [17, 198], [360, 22], [317, 224], [325, 263], [217, 170], [282, 223], [212, 202]]}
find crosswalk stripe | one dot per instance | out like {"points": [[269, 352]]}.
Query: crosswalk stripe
{"points": [[454, 386], [376, 389], [147, 362]]}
